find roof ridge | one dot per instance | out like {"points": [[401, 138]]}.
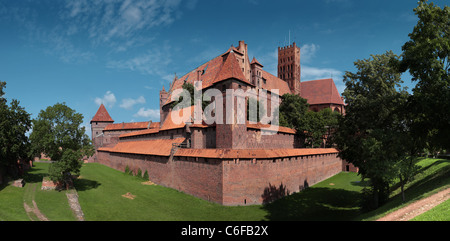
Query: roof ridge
{"points": [[230, 69]]}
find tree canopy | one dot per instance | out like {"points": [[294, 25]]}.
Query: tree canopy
{"points": [[427, 58], [15, 122], [311, 126], [58, 133], [373, 135]]}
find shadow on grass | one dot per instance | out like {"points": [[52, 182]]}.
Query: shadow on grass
{"points": [[85, 184], [35, 174], [315, 204]]}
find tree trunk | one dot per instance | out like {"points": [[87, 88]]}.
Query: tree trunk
{"points": [[402, 187]]}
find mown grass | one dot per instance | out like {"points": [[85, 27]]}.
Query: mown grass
{"points": [[433, 176], [101, 188], [100, 191]]}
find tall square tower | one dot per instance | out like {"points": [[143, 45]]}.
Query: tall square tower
{"points": [[289, 66]]}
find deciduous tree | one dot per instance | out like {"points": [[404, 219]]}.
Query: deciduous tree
{"points": [[373, 134], [58, 133]]}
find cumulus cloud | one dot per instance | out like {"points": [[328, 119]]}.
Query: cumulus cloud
{"points": [[311, 73], [128, 103], [308, 51], [147, 113], [109, 99]]}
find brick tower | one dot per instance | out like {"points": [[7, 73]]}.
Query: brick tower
{"points": [[98, 124], [289, 66], [163, 96]]}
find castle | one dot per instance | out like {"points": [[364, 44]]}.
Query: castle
{"points": [[228, 163]]}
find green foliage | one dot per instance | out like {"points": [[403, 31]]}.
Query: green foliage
{"points": [[58, 133], [427, 58], [69, 165], [311, 126], [292, 109], [128, 170], [14, 123], [146, 177], [139, 173], [372, 135]]}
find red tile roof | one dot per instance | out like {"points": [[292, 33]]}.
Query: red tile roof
{"points": [[252, 153], [273, 82], [102, 115], [254, 61], [132, 126], [221, 68], [321, 91], [158, 147], [230, 69], [269, 127], [141, 132], [179, 120]]}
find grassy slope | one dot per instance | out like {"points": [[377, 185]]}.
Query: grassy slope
{"points": [[100, 193], [101, 188], [432, 177]]}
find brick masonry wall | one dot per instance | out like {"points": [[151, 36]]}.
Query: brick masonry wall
{"points": [[234, 181], [253, 181], [199, 177], [255, 140]]}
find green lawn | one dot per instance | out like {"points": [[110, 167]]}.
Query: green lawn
{"points": [[101, 188], [432, 177], [100, 191]]}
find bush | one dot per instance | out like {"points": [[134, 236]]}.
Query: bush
{"points": [[128, 170], [146, 177]]}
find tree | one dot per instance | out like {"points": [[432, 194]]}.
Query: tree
{"points": [[310, 126], [292, 109], [427, 57], [14, 124], [373, 134], [58, 133]]}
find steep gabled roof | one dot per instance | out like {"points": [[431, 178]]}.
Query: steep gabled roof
{"points": [[254, 61], [102, 115], [230, 69], [322, 91], [273, 82]]}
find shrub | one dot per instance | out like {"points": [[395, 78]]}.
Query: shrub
{"points": [[146, 177]]}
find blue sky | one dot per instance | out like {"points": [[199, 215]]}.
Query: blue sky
{"points": [[121, 53]]}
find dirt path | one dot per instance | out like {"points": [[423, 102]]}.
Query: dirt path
{"points": [[34, 210], [418, 207]]}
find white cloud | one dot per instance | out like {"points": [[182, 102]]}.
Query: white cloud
{"points": [[308, 51], [129, 103], [153, 62], [109, 99], [311, 73], [147, 113], [109, 21]]}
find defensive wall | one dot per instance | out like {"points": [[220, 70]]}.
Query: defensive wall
{"points": [[231, 177]]}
